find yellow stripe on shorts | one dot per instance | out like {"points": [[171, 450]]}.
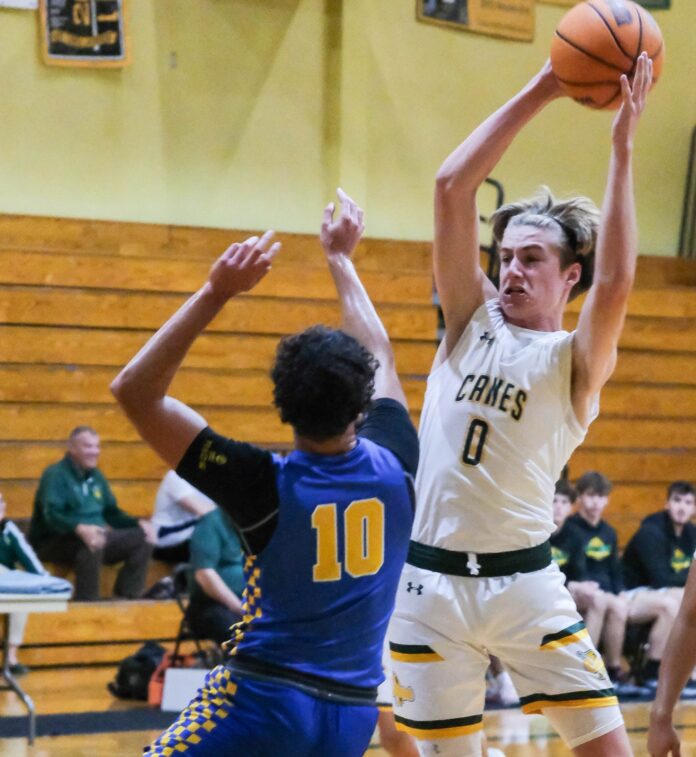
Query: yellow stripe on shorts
{"points": [[413, 653], [576, 699], [439, 729], [569, 635]]}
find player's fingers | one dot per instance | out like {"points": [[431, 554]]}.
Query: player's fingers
{"points": [[626, 93], [230, 251], [275, 249], [327, 218], [346, 203], [639, 79], [265, 240]]}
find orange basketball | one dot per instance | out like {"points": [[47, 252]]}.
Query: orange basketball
{"points": [[596, 42]]}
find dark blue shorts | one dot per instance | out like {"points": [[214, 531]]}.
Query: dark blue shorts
{"points": [[237, 717]]}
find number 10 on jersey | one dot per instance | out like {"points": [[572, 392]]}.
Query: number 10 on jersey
{"points": [[363, 539]]}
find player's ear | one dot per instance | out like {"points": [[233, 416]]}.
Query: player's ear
{"points": [[572, 274]]}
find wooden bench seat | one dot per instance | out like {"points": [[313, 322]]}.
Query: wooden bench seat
{"points": [[98, 632]]}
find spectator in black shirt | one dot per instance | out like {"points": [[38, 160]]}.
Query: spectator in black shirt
{"points": [[602, 560], [567, 551], [655, 566]]}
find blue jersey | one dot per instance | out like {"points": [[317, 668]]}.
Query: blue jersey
{"points": [[326, 537]]}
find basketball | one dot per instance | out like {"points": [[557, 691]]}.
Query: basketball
{"points": [[596, 42]]}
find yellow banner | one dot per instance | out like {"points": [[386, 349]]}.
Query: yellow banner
{"points": [[566, 3], [511, 19]]}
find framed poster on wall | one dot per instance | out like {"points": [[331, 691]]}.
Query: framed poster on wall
{"points": [[84, 33], [511, 19]]}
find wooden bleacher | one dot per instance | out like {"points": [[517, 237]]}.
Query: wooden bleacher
{"points": [[78, 298]]}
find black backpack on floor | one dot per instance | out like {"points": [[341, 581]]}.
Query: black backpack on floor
{"points": [[135, 671]]}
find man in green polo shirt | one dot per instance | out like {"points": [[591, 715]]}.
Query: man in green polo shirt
{"points": [[217, 567], [76, 521]]}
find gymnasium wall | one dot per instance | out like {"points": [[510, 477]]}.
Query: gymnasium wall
{"points": [[246, 113]]}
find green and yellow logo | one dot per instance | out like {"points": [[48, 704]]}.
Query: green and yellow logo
{"points": [[596, 549], [680, 561], [559, 556]]}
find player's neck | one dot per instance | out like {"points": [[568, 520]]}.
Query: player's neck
{"points": [[335, 445], [540, 322]]}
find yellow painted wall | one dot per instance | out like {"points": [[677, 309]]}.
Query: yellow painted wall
{"points": [[244, 113]]}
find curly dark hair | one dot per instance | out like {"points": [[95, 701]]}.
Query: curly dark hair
{"points": [[577, 219], [323, 379]]}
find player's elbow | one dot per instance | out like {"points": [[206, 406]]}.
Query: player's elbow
{"points": [[451, 185], [125, 389]]}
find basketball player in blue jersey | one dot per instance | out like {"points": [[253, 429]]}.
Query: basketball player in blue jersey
{"points": [[509, 397], [326, 529]]}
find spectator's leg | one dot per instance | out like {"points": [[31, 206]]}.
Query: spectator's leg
{"points": [[177, 553], [614, 632], [211, 620], [15, 635], [661, 609], [71, 550], [128, 545], [593, 610]]}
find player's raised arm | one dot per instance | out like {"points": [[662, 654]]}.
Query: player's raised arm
{"points": [[677, 663], [603, 313], [461, 284], [339, 238], [166, 424]]}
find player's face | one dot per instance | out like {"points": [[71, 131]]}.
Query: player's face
{"points": [[84, 449], [3, 507], [592, 505], [532, 285], [681, 508], [561, 509]]}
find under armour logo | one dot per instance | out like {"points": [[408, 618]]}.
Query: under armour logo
{"points": [[472, 564], [401, 693], [418, 589], [486, 337]]}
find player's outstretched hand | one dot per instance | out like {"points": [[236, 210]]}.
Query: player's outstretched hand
{"points": [[340, 237], [633, 98], [662, 738], [242, 266]]}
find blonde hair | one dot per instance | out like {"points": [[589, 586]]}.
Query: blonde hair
{"points": [[577, 218]]}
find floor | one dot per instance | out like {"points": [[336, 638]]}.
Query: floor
{"points": [[80, 690]]}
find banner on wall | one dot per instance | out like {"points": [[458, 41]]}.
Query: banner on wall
{"points": [[84, 33], [511, 19], [29, 5]]}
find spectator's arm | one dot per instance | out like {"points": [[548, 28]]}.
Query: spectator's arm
{"points": [[56, 504], [654, 549], [615, 568], [113, 514], [212, 584], [22, 550], [194, 505]]}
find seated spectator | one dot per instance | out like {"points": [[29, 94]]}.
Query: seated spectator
{"points": [[217, 567], [603, 568], [568, 552], [655, 566], [77, 522], [15, 550], [178, 507]]}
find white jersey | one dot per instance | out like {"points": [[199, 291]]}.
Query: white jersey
{"points": [[496, 430], [168, 511]]}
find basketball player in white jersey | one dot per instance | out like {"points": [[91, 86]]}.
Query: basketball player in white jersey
{"points": [[509, 397]]}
